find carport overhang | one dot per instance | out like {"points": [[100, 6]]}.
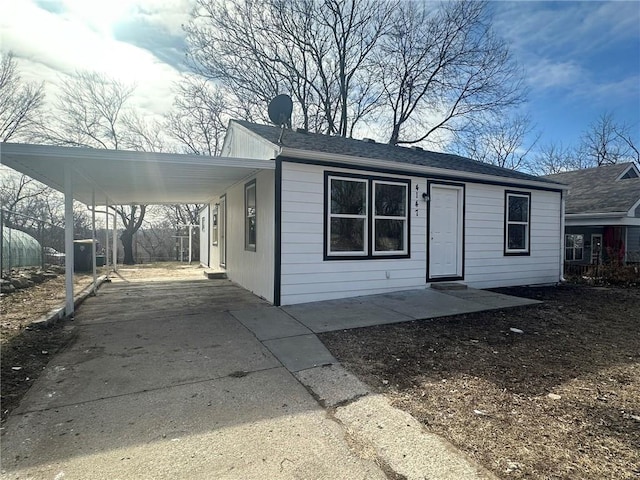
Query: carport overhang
{"points": [[120, 177]]}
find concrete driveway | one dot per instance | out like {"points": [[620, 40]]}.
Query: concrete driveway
{"points": [[183, 380]]}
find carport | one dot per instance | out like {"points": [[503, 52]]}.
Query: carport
{"points": [[98, 177]]}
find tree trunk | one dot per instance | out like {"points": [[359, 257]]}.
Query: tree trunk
{"points": [[127, 244]]}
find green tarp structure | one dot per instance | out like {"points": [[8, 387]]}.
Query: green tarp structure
{"points": [[19, 249]]}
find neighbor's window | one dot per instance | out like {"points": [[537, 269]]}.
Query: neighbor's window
{"points": [[390, 218], [517, 223], [214, 226], [348, 216], [250, 216], [366, 217], [573, 247]]}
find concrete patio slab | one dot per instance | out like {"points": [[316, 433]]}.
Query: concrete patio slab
{"points": [[343, 314], [270, 323], [264, 425], [301, 352], [146, 354], [425, 303], [397, 307]]}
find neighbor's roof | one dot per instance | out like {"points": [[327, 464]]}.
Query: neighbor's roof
{"points": [[598, 190], [381, 151]]}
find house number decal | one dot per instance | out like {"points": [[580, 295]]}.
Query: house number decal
{"points": [[417, 187]]}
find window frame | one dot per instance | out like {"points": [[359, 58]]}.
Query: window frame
{"points": [[527, 236], [369, 252], [250, 247], [214, 225], [330, 216], [374, 217], [573, 247]]}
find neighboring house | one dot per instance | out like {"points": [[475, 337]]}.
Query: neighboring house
{"points": [[602, 214], [338, 217]]}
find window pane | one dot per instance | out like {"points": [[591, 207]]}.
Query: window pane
{"points": [[578, 254], [518, 209], [348, 197], [251, 197], [391, 200], [251, 231], [568, 253], [347, 235], [568, 240], [389, 235], [516, 239]]}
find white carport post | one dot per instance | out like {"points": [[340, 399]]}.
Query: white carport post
{"points": [[115, 240], [93, 241], [68, 240], [106, 234]]}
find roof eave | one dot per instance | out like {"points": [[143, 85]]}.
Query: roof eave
{"points": [[413, 168]]}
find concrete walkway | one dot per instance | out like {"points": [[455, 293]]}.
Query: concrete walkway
{"points": [[201, 379]]}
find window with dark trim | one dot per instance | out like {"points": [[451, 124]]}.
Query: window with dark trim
{"points": [[517, 232], [214, 226], [250, 223], [366, 217], [573, 247]]}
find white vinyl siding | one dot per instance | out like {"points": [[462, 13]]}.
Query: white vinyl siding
{"points": [[252, 269], [486, 265], [306, 276]]}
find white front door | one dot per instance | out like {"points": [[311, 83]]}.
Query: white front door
{"points": [[445, 232]]}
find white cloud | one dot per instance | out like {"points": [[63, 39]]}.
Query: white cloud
{"points": [[48, 45], [546, 73]]}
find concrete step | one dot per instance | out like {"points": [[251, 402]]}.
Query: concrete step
{"points": [[448, 286], [215, 274]]}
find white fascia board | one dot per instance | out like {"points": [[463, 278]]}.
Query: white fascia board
{"points": [[599, 219], [79, 153], [372, 164]]}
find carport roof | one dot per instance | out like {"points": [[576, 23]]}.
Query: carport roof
{"points": [[126, 177]]}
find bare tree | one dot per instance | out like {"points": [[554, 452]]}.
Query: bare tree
{"points": [[19, 194], [443, 68], [198, 120], [555, 158], [318, 52], [20, 102], [502, 142], [607, 141], [93, 111]]}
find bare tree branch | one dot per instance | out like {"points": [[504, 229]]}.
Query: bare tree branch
{"points": [[20, 102]]}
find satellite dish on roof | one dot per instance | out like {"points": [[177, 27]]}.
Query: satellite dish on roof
{"points": [[280, 109]]}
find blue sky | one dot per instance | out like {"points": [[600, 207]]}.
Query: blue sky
{"points": [[580, 58]]}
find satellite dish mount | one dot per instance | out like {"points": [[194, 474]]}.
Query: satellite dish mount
{"points": [[280, 110]]}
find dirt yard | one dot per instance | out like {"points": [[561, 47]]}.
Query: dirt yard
{"points": [[561, 400], [25, 351]]}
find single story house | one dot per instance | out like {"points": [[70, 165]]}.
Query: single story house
{"points": [[602, 214], [339, 217]]}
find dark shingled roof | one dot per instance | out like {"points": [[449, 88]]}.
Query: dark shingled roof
{"points": [[381, 151], [595, 190]]}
